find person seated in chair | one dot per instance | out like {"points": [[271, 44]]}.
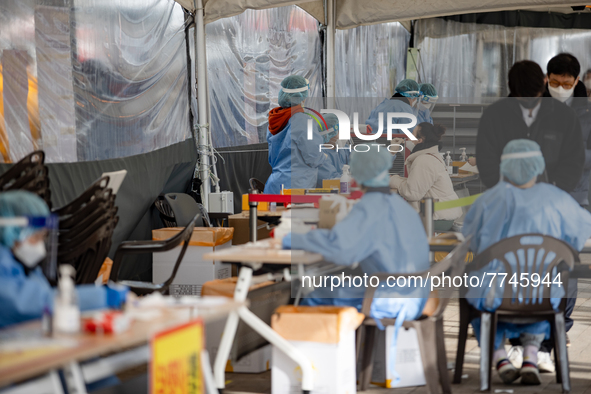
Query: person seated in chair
{"points": [[518, 205], [24, 291]]}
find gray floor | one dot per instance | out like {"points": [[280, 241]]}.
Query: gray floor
{"points": [[579, 356]]}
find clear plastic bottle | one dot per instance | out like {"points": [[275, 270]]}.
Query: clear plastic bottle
{"points": [[448, 163], [346, 180], [463, 156], [66, 313]]}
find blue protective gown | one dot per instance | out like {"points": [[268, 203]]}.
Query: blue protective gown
{"points": [[24, 297], [424, 115], [294, 158], [385, 235], [329, 169], [344, 156], [389, 105], [505, 211]]}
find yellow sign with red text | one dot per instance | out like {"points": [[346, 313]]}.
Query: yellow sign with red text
{"points": [[176, 364]]}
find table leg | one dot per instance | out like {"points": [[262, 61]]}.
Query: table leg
{"points": [[240, 293], [300, 289], [74, 379], [276, 340], [253, 220]]}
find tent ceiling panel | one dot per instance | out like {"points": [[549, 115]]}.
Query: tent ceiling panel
{"points": [[352, 13]]}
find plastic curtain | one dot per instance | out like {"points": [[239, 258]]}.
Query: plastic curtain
{"points": [[472, 60], [247, 58], [92, 80], [370, 60]]}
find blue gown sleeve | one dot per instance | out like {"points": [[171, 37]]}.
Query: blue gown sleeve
{"points": [[23, 298], [348, 242], [576, 222]]}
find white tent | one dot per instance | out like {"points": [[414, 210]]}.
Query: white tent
{"points": [[335, 14]]}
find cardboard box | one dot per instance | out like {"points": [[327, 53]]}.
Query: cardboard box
{"points": [[331, 184], [194, 271], [329, 209], [241, 227], [326, 336], [408, 363]]}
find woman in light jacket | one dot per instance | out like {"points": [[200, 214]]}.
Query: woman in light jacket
{"points": [[427, 175]]}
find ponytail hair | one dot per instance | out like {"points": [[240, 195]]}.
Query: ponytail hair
{"points": [[431, 133]]}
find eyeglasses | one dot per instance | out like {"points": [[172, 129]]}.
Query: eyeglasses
{"points": [[565, 85]]}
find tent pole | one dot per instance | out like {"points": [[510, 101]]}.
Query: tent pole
{"points": [[330, 44], [202, 102]]}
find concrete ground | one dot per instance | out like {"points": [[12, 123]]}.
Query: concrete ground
{"points": [[579, 357]]}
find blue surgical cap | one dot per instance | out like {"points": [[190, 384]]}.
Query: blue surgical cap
{"points": [[15, 204], [408, 88], [371, 168], [332, 121], [287, 97], [521, 161], [428, 89]]}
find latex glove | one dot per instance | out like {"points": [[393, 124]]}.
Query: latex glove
{"points": [[116, 295], [286, 242], [395, 181]]}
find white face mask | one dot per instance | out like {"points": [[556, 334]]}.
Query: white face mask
{"points": [[588, 84], [560, 93], [30, 254]]}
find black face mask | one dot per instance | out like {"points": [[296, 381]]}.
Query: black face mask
{"points": [[529, 102]]}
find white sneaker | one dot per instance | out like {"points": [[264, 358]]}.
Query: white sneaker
{"points": [[545, 363], [515, 355]]}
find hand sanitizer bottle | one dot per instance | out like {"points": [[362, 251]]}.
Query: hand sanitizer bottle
{"points": [[346, 180], [463, 156], [66, 313], [448, 163]]}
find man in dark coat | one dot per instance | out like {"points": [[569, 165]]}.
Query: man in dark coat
{"points": [[525, 114]]}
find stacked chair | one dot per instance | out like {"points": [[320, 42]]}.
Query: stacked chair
{"points": [[179, 209], [86, 226], [29, 174]]}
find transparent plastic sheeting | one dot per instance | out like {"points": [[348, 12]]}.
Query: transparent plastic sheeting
{"points": [[92, 80], [473, 60], [249, 55]]}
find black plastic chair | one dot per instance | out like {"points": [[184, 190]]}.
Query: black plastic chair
{"points": [[255, 184], [165, 212], [429, 328], [140, 247], [525, 311], [31, 174], [185, 208]]}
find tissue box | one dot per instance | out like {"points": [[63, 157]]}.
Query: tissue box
{"points": [[193, 271], [326, 336]]}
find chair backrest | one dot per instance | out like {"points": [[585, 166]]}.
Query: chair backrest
{"points": [[184, 208], [183, 236], [31, 174], [84, 198], [532, 262], [255, 184], [165, 212], [452, 265]]}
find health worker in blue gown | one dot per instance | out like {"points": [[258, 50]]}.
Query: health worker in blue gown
{"points": [[332, 168], [294, 158], [25, 293], [382, 233], [519, 205], [405, 99], [427, 100]]}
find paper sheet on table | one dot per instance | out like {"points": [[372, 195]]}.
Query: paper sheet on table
{"points": [[587, 243], [470, 168]]}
